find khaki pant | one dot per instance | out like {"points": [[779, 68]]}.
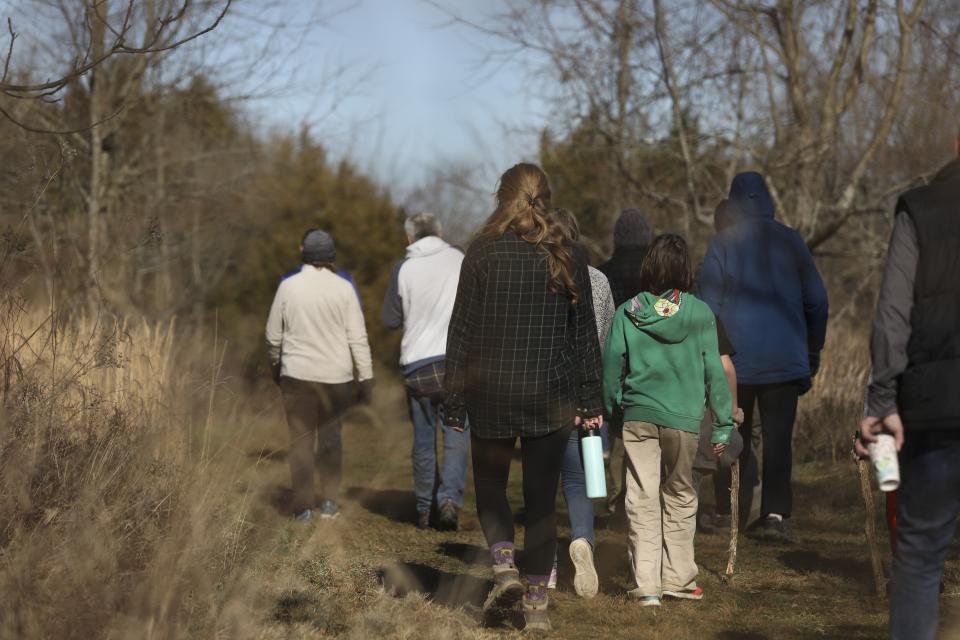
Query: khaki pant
{"points": [[663, 517], [616, 470]]}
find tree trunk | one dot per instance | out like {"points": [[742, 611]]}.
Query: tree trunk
{"points": [[98, 156]]}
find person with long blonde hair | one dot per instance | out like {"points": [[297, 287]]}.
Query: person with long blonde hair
{"points": [[522, 362]]}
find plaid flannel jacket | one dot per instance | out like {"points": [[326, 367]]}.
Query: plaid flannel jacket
{"points": [[521, 361]]}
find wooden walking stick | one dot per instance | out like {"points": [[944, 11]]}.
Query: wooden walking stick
{"points": [[734, 518], [870, 528]]}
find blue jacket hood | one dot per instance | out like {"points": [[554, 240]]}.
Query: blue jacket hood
{"points": [[749, 197]]}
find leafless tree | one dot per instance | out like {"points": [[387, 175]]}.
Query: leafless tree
{"points": [[809, 93], [105, 29], [148, 110]]}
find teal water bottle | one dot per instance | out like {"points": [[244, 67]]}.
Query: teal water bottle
{"points": [[591, 444]]}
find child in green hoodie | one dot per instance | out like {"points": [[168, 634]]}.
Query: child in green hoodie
{"points": [[660, 362]]}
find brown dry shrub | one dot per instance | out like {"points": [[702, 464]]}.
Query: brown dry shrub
{"points": [[109, 526], [831, 411], [410, 617]]}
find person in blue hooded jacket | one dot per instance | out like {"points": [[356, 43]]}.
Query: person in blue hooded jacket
{"points": [[759, 278]]}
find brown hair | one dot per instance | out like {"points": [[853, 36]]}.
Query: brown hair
{"points": [[666, 265], [523, 206], [566, 223]]}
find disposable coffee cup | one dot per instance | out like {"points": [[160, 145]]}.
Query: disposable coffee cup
{"points": [[883, 456]]}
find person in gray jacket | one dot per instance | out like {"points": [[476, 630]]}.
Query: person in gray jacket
{"points": [[419, 298], [914, 393]]}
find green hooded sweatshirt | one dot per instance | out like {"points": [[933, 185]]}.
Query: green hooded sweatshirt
{"points": [[661, 360]]}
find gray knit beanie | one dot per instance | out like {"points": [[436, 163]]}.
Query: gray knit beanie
{"points": [[318, 247], [632, 230]]}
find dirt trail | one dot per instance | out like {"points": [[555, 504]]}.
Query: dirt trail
{"points": [[360, 575]]}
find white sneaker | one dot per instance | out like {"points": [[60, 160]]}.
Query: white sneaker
{"points": [[645, 601], [585, 580]]}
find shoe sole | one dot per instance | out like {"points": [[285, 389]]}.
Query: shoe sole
{"points": [[537, 627], [681, 595], [327, 516], [585, 581], [508, 596], [650, 603]]}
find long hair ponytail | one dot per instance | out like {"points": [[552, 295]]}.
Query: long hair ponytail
{"points": [[523, 206]]}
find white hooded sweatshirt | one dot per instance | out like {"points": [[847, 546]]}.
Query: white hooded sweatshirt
{"points": [[420, 299]]}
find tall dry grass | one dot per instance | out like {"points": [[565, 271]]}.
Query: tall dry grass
{"points": [[125, 511], [831, 411], [111, 525]]}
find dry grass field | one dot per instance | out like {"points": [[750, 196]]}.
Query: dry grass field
{"points": [[143, 495]]}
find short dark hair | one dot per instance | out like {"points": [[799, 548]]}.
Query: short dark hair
{"points": [[666, 265]]}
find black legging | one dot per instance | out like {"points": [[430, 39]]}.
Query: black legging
{"points": [[778, 409], [541, 459]]}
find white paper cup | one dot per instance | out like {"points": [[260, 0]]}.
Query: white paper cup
{"points": [[883, 455]]}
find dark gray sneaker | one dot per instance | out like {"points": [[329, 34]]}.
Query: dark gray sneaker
{"points": [[507, 588], [705, 523], [721, 523], [449, 517], [423, 519], [770, 528]]}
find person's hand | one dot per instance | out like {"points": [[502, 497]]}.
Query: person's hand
{"points": [[365, 393], [871, 426], [738, 416], [718, 449], [593, 422], [814, 364]]}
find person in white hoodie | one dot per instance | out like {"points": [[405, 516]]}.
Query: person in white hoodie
{"points": [[420, 298], [315, 336]]}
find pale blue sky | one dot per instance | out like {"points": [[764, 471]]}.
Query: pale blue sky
{"points": [[415, 94]]}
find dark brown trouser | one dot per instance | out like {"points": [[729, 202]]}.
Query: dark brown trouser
{"points": [[313, 416]]}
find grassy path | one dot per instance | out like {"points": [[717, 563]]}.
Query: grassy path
{"points": [[326, 579]]}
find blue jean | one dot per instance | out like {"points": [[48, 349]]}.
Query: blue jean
{"points": [[574, 485], [425, 415], [928, 503]]}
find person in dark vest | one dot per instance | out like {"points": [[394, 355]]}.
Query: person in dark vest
{"points": [[632, 236], [759, 278], [914, 392]]}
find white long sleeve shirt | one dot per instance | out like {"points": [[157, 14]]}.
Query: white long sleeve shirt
{"points": [[316, 329]]}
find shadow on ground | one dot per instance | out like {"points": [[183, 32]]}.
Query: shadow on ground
{"points": [[469, 554], [610, 559], [456, 591], [811, 561], [399, 506], [279, 498]]}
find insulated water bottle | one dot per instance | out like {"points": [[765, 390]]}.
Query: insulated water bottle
{"points": [[592, 447]]}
